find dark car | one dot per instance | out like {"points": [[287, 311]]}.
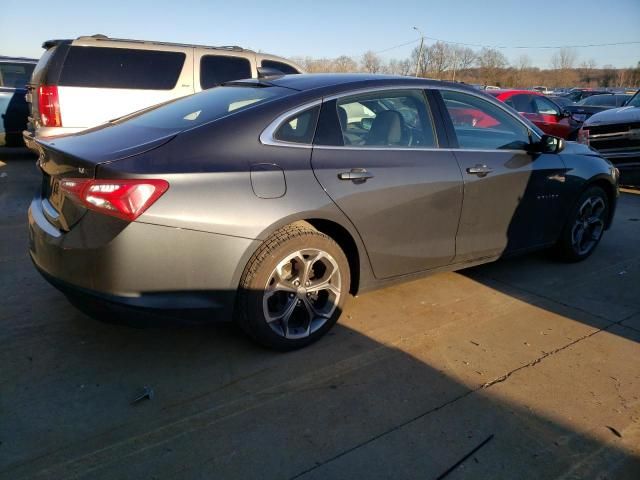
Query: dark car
{"points": [[615, 133], [15, 73], [594, 104], [270, 201], [577, 94], [560, 100]]}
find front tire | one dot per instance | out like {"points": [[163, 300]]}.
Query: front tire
{"points": [[293, 288], [585, 226]]}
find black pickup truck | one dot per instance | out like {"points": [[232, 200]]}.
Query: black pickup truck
{"points": [[615, 133]]}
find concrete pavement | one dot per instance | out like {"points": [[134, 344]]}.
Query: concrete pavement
{"points": [[539, 357]]}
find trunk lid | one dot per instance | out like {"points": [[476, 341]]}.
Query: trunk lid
{"points": [[79, 155]]}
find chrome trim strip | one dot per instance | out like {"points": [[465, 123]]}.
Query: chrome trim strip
{"points": [[266, 137], [410, 149], [42, 222], [49, 211]]}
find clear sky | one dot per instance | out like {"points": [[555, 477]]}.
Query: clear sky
{"points": [[329, 28]]}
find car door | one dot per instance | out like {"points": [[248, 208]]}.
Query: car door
{"points": [[509, 193], [376, 154]]}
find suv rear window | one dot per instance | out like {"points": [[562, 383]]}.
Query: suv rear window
{"points": [[121, 68], [217, 69], [198, 109], [15, 75]]}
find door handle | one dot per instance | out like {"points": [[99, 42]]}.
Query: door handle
{"points": [[480, 170], [356, 175]]}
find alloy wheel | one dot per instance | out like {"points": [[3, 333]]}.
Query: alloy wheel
{"points": [[589, 225], [302, 293]]}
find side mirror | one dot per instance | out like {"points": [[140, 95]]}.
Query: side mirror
{"points": [[565, 113], [550, 144]]}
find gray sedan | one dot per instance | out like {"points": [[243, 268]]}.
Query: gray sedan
{"points": [[270, 201]]}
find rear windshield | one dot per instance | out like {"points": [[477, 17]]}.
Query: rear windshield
{"points": [[121, 68], [198, 109], [15, 75]]}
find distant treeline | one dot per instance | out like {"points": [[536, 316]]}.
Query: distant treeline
{"points": [[487, 66]]}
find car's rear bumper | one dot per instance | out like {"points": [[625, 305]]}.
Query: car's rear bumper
{"points": [[139, 266]]}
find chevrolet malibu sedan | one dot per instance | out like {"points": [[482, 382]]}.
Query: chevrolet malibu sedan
{"points": [[270, 201]]}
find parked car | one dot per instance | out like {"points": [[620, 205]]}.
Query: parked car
{"points": [[549, 117], [215, 202], [88, 81], [577, 94], [14, 75], [560, 100], [594, 104], [541, 89], [615, 133]]}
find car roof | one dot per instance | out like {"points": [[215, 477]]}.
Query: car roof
{"points": [[352, 81], [17, 59], [513, 91]]}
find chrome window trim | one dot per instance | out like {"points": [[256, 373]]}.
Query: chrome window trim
{"points": [[410, 149], [267, 135]]}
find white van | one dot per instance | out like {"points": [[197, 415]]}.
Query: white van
{"points": [[82, 83]]}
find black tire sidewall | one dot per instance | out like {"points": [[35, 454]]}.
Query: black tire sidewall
{"points": [[251, 294]]}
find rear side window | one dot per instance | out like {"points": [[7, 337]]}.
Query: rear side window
{"points": [[300, 128], [521, 103], [280, 66], [217, 69], [121, 68], [15, 75]]}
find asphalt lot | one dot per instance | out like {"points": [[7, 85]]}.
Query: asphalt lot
{"points": [[536, 361]]}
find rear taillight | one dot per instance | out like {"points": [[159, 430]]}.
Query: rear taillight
{"points": [[583, 136], [125, 199], [49, 106]]}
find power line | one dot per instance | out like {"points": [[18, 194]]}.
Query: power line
{"points": [[532, 47]]}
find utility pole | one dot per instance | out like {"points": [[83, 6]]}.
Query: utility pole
{"points": [[419, 60]]}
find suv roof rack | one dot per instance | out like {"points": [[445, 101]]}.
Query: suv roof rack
{"points": [[99, 36]]}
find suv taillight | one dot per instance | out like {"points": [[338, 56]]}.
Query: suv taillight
{"points": [[49, 106], [583, 136], [125, 199]]}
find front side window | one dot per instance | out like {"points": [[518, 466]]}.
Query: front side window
{"points": [[299, 128], [635, 100], [479, 124], [121, 68], [521, 103], [218, 69], [280, 66], [545, 106], [386, 119]]}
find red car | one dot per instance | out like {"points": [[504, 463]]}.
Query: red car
{"points": [[548, 116]]}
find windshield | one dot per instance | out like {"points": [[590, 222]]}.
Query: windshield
{"points": [[204, 107], [635, 100]]}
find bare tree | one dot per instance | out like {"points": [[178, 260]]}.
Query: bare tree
{"points": [[371, 62], [491, 62], [400, 67], [563, 62], [344, 64]]}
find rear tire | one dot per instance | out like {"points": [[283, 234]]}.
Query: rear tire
{"points": [[293, 288], [585, 226]]}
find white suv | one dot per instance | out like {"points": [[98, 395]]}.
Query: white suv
{"points": [[88, 81]]}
